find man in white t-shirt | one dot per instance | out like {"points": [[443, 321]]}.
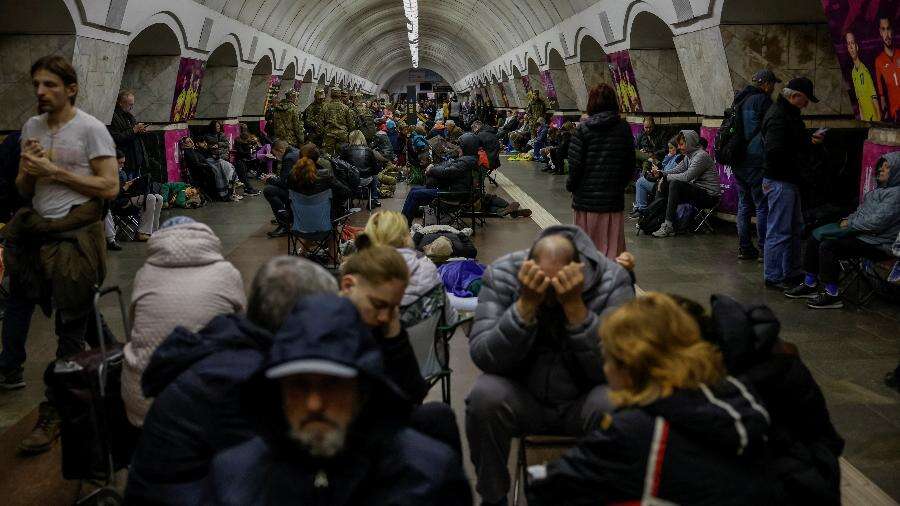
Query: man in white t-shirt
{"points": [[56, 249]]}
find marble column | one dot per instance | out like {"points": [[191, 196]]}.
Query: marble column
{"points": [[579, 86], [565, 93], [217, 93], [512, 94], [307, 94], [520, 91], [256, 95], [100, 65], [703, 54]]}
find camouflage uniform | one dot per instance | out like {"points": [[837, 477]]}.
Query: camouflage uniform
{"points": [[536, 110], [336, 122], [288, 125], [366, 120], [312, 117]]}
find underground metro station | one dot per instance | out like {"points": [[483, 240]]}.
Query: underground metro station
{"points": [[416, 252]]}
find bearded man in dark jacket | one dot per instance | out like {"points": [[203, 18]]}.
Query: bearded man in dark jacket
{"points": [[335, 433], [127, 134]]}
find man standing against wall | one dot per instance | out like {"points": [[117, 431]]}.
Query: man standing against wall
{"points": [[786, 146], [56, 249], [127, 133], [312, 117], [754, 101]]}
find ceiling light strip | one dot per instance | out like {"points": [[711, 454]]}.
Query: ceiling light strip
{"points": [[411, 8]]}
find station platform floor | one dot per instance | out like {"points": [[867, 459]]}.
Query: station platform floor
{"points": [[849, 351]]}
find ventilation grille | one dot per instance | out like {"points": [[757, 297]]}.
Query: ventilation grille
{"points": [[607, 27], [683, 10], [204, 34]]}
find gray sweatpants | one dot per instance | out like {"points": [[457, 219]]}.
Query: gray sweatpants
{"points": [[499, 409]]}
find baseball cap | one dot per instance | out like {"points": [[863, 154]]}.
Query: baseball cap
{"points": [[311, 366], [765, 76], [803, 85]]}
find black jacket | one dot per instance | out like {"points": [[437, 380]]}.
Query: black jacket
{"points": [[711, 454], [382, 463], [361, 157], [10, 200], [122, 130], [654, 142], [786, 142], [324, 180], [803, 444], [488, 137], [457, 175], [284, 168], [601, 164]]}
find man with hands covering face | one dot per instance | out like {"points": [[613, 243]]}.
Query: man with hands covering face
{"points": [[534, 338]]}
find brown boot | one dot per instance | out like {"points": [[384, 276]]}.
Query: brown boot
{"points": [[45, 431]]}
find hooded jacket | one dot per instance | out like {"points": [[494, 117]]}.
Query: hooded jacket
{"points": [[601, 164], [754, 105], [697, 167], [803, 445], [458, 174], [786, 142], [288, 125], [382, 463], [878, 216], [554, 370], [487, 135], [710, 454], [185, 281]]}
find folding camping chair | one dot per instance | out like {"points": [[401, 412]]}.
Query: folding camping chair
{"points": [[701, 221], [314, 234]]}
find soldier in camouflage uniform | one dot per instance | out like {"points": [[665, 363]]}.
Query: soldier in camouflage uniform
{"points": [[366, 119], [312, 117], [288, 125], [536, 110], [336, 122]]}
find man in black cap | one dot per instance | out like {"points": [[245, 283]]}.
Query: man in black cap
{"points": [[335, 433], [753, 102], [786, 144]]}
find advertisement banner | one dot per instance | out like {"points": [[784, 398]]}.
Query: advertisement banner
{"points": [[232, 131], [172, 140], [726, 177], [503, 96], [272, 93], [870, 155], [187, 90], [549, 89], [865, 41], [624, 81], [526, 83]]}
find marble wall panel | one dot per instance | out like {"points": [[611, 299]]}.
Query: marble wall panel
{"points": [[565, 94], [594, 72], [256, 96], [153, 80], [216, 92], [520, 91], [17, 53], [575, 75], [708, 80], [99, 65], [660, 81], [239, 92], [790, 51]]}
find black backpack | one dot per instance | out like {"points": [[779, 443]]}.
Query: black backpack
{"points": [[731, 144], [653, 216]]}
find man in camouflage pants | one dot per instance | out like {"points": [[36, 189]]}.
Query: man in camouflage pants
{"points": [[312, 118], [336, 122], [288, 126]]}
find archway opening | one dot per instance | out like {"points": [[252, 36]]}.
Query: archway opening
{"points": [[24, 33], [153, 64], [255, 105], [558, 87], [218, 94], [289, 79], [654, 63]]}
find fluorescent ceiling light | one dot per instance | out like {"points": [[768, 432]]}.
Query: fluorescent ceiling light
{"points": [[411, 8]]}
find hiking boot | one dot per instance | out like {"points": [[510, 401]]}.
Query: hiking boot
{"points": [[11, 378], [802, 291], [45, 431], [825, 300], [748, 254], [665, 230]]}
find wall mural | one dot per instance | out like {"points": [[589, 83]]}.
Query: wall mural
{"points": [[624, 82], [866, 39], [526, 83], [550, 89], [272, 92], [187, 89], [503, 96]]}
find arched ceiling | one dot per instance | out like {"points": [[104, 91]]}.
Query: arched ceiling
{"points": [[367, 37]]}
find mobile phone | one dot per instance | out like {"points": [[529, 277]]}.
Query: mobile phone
{"points": [[820, 132]]}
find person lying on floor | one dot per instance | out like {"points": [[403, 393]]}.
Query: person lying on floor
{"points": [[868, 233]]}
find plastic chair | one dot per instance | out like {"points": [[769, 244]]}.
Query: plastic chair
{"points": [[313, 224]]}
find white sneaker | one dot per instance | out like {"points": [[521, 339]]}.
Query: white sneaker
{"points": [[666, 230]]}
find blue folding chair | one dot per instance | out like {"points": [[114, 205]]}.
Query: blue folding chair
{"points": [[314, 234]]}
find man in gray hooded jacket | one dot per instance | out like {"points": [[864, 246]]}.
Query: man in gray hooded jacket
{"points": [[869, 232], [694, 180], [535, 339]]}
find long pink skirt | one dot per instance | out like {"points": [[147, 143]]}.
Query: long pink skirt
{"points": [[607, 230]]}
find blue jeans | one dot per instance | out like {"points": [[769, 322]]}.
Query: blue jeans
{"points": [[416, 198], [783, 228], [749, 193], [643, 190]]}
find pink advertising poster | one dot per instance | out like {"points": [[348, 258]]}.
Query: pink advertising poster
{"points": [[636, 130], [297, 84], [870, 155], [624, 81], [232, 131], [726, 177], [187, 90], [272, 92], [172, 140], [550, 89], [866, 37]]}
